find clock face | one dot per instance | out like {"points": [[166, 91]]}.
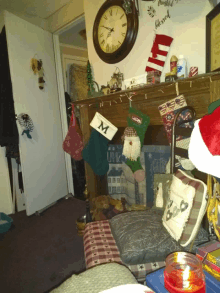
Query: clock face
{"points": [[112, 29]]}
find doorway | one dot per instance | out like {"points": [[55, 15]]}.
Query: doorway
{"points": [[71, 51]]}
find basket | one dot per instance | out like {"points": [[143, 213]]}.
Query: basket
{"points": [[5, 223]]}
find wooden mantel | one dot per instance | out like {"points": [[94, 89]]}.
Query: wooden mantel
{"points": [[199, 91]]}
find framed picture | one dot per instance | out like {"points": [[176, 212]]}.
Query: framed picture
{"points": [[213, 40]]}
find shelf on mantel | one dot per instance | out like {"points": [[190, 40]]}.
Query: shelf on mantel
{"points": [[141, 92]]}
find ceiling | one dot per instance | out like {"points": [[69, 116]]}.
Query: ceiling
{"points": [[43, 9], [72, 36], [40, 8]]}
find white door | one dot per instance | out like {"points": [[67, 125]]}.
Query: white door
{"points": [[42, 157]]}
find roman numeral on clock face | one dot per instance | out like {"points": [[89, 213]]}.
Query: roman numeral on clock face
{"points": [[103, 42], [105, 17], [110, 12], [124, 24], [123, 34], [101, 35], [121, 16]]}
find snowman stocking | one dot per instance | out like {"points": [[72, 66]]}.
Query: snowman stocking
{"points": [[133, 141]]}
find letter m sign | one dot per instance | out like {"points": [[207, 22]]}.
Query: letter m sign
{"points": [[104, 129]]}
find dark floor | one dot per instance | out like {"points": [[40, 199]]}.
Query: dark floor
{"points": [[39, 252]]}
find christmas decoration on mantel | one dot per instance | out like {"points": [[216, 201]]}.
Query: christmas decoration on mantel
{"points": [[37, 67], [159, 53], [91, 89]]}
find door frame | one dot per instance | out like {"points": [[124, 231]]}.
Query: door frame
{"points": [[61, 93]]}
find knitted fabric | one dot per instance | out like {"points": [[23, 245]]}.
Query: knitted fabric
{"points": [[95, 153], [139, 122]]}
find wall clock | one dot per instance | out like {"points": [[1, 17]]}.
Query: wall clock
{"points": [[114, 31]]}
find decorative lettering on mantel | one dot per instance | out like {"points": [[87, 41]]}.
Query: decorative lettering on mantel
{"points": [[152, 12]]}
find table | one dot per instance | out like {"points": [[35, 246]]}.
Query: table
{"points": [[155, 281]]}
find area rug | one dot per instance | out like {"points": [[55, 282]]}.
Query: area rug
{"points": [[40, 252]]}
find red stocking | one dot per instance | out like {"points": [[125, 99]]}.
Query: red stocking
{"points": [[73, 143]]}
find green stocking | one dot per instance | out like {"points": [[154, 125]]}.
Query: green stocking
{"points": [[140, 122]]}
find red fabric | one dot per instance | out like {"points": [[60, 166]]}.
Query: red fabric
{"points": [[209, 127], [160, 40], [73, 143], [156, 52]]}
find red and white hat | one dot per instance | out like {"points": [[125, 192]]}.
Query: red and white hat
{"points": [[204, 147]]}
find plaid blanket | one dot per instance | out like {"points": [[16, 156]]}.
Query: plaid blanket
{"points": [[100, 248]]}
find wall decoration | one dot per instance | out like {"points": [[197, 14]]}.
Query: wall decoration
{"points": [[213, 40], [37, 67], [159, 51], [115, 31], [26, 123], [158, 22], [151, 11]]}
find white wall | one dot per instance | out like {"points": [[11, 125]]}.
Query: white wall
{"points": [[186, 26]]}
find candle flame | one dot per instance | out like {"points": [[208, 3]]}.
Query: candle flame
{"points": [[186, 274]]}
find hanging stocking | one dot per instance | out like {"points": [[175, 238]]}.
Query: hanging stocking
{"points": [[73, 143], [95, 152], [139, 122], [159, 53]]}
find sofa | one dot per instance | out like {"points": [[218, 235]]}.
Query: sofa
{"points": [[100, 279]]}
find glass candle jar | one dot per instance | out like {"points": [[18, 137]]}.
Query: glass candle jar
{"points": [[184, 273]]}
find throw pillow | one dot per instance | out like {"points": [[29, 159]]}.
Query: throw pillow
{"points": [[178, 207], [162, 184], [198, 209]]}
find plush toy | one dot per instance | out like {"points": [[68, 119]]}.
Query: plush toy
{"points": [[105, 207]]}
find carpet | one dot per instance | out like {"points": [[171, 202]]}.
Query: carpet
{"points": [[40, 252]]}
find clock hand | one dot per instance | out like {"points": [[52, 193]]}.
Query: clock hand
{"points": [[108, 28]]}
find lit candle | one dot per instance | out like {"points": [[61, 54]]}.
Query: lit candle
{"points": [[183, 274]]}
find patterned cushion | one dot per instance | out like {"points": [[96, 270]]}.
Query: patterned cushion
{"points": [[99, 244], [198, 210], [96, 229], [96, 237]]}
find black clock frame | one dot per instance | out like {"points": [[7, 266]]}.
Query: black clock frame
{"points": [[130, 38]]}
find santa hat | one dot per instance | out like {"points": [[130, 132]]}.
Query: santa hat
{"points": [[159, 53], [204, 147]]}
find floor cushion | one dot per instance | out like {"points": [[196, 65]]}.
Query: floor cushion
{"points": [[97, 279], [100, 247], [150, 242]]}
